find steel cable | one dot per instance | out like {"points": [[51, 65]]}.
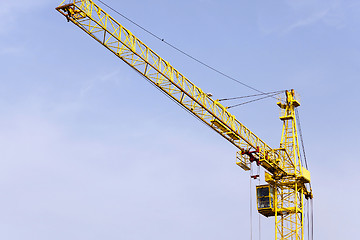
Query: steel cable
{"points": [[179, 50], [236, 105], [254, 95], [301, 136]]}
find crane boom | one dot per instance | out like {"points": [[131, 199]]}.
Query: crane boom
{"points": [[120, 41], [283, 197]]}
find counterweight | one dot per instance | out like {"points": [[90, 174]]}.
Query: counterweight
{"points": [[282, 165]]}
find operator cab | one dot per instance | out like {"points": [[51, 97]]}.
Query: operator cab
{"points": [[265, 200]]}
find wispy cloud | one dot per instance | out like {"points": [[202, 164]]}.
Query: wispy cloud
{"points": [[292, 15], [111, 76], [316, 17]]}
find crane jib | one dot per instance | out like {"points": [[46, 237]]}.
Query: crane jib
{"points": [[107, 31]]}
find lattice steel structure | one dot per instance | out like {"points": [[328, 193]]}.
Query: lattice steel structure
{"points": [[282, 165]]}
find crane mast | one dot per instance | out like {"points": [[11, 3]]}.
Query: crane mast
{"points": [[287, 180]]}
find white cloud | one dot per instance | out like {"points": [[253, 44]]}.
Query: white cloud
{"points": [[109, 77], [292, 15], [309, 20]]}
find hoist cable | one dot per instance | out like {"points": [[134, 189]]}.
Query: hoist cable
{"points": [[254, 95], [236, 105], [250, 204], [307, 206], [179, 50], [312, 219], [258, 212]]}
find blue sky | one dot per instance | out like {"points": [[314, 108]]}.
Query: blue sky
{"points": [[90, 150]]}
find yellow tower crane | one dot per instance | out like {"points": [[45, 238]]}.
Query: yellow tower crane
{"points": [[288, 181]]}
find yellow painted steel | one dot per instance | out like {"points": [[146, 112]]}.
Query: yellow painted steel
{"points": [[120, 41], [283, 165], [290, 190]]}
